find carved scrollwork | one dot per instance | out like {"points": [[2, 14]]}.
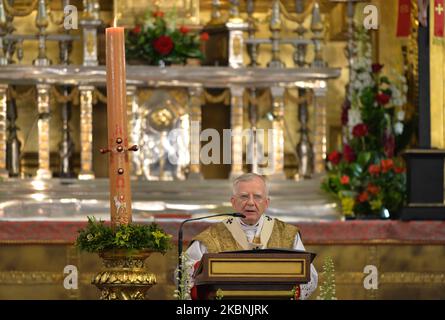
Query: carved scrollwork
{"points": [[124, 277]]}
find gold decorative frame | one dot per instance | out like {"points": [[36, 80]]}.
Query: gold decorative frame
{"points": [[126, 12]]}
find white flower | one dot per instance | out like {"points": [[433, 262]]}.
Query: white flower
{"points": [[395, 92], [398, 128], [149, 24], [363, 76], [354, 117], [400, 115], [171, 26], [397, 98]]}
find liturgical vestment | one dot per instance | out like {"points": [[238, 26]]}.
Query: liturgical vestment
{"points": [[232, 234]]}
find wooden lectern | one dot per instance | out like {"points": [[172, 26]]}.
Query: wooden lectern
{"points": [[253, 274]]}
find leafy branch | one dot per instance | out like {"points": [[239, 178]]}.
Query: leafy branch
{"points": [[98, 237]]}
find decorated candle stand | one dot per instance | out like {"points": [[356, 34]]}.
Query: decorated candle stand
{"points": [[123, 246]]}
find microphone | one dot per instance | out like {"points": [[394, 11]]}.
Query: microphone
{"points": [[180, 236]]}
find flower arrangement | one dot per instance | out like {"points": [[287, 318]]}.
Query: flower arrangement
{"points": [[158, 41], [98, 237], [185, 281], [327, 288], [367, 177]]}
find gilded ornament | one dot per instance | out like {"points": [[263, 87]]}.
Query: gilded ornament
{"points": [[90, 43], [125, 277], [26, 8], [237, 46], [161, 119]]}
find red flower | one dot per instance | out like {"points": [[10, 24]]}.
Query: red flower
{"points": [[374, 169], [382, 98], [334, 157], [194, 289], [360, 130], [344, 179], [194, 293], [348, 153], [373, 189], [386, 164], [163, 45], [137, 29], [376, 67], [184, 29], [364, 196], [297, 292], [204, 36], [399, 170], [158, 14]]}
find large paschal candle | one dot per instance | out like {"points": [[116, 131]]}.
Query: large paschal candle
{"points": [[120, 191]]}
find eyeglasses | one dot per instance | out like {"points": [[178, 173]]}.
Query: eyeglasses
{"points": [[245, 197]]}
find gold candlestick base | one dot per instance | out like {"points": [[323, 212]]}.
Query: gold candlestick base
{"points": [[124, 277]]}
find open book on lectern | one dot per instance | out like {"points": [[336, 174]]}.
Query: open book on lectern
{"points": [[272, 250]]}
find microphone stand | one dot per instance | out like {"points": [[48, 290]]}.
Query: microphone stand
{"points": [[180, 236]]}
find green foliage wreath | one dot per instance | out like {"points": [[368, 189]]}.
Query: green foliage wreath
{"points": [[98, 237]]}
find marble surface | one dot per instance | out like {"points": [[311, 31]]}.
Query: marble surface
{"points": [[175, 76], [73, 200]]}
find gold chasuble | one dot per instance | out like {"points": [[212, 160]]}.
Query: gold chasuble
{"points": [[228, 236]]}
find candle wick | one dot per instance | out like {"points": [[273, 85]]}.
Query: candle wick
{"points": [[116, 17]]}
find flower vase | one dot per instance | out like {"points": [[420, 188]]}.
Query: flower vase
{"points": [[124, 276]]}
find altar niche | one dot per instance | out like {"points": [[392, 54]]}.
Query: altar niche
{"points": [[215, 116]]}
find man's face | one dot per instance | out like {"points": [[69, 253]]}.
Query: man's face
{"points": [[250, 199]]}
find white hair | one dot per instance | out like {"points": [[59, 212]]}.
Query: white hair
{"points": [[249, 177]]}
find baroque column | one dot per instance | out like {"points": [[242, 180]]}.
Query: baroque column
{"points": [[236, 26], [43, 108], [253, 119], [42, 23], [320, 139], [90, 23], [66, 146], [3, 32], [3, 106], [275, 29], [305, 149], [317, 38], [3, 97], [236, 125], [13, 144], [195, 128], [278, 133], [86, 133]]}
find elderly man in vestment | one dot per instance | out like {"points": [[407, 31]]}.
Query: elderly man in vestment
{"points": [[255, 231]]}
